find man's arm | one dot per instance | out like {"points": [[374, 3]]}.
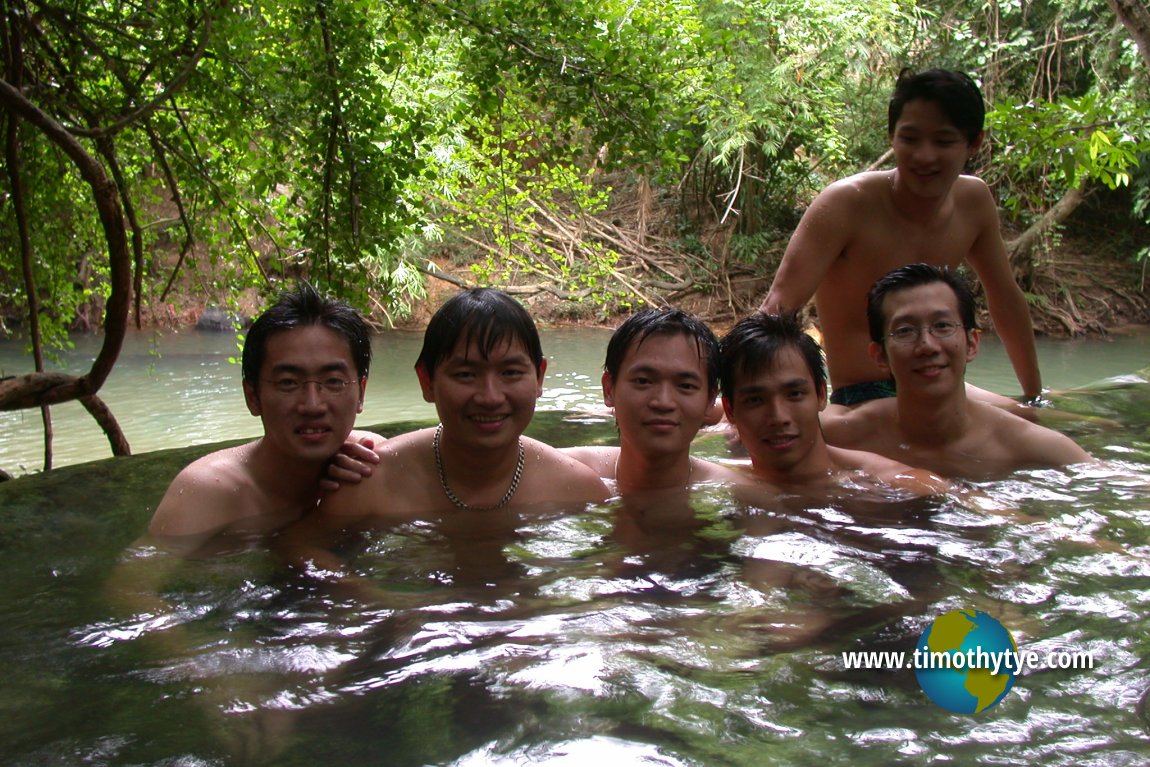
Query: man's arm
{"points": [[600, 459], [572, 480], [820, 237], [848, 429], [918, 482], [1007, 303]]}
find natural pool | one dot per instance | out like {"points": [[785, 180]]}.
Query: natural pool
{"points": [[597, 637]]}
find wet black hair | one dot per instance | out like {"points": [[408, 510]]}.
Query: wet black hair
{"points": [[300, 307], [912, 276], [663, 322], [955, 93], [754, 343], [484, 315]]}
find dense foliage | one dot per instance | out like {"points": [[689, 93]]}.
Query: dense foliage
{"points": [[608, 152], [341, 140]]}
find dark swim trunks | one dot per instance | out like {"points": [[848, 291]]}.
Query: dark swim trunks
{"points": [[856, 394]]}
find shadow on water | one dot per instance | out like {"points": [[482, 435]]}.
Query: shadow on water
{"points": [[700, 634]]}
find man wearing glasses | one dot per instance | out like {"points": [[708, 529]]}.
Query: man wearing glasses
{"points": [[923, 333], [305, 365], [924, 210]]}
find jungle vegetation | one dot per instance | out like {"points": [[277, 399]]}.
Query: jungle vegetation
{"points": [[602, 154]]}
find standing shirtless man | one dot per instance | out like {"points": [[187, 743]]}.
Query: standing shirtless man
{"points": [[925, 210]]}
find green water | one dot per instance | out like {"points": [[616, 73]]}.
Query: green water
{"points": [[590, 636], [175, 389]]}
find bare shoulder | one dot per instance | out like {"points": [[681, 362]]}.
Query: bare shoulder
{"points": [[974, 200], [405, 444], [208, 494], [969, 188], [599, 458], [1031, 444], [555, 475], [399, 481], [890, 472], [854, 193], [709, 471], [865, 461], [860, 425]]}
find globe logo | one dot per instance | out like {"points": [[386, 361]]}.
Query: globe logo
{"points": [[966, 661]]}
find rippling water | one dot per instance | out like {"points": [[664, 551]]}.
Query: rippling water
{"points": [[700, 634]]}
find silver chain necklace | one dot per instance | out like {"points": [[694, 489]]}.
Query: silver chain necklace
{"points": [[454, 498]]}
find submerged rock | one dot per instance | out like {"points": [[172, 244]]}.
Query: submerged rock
{"points": [[217, 320]]}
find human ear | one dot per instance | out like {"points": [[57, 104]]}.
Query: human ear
{"points": [[976, 144], [713, 413], [424, 382], [877, 353], [252, 398], [608, 390], [728, 410], [973, 339], [362, 390], [542, 372]]}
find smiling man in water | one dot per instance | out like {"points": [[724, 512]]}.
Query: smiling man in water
{"points": [[923, 334], [774, 387], [482, 366], [305, 366], [661, 376]]}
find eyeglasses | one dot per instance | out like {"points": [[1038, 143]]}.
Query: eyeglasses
{"points": [[910, 334], [333, 386]]}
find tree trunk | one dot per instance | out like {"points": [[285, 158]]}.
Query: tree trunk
{"points": [[1021, 246], [1135, 16], [108, 423]]}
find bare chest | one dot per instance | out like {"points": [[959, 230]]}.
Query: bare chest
{"points": [[889, 242]]}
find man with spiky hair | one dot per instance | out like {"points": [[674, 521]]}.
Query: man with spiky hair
{"points": [[661, 377], [774, 388]]}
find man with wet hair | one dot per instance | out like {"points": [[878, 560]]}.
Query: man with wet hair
{"points": [[774, 387], [661, 377], [305, 366], [482, 366], [925, 210], [923, 333]]}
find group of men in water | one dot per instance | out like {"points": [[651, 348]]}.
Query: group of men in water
{"points": [[877, 252]]}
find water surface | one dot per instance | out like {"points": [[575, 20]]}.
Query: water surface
{"points": [[177, 389], [702, 635]]}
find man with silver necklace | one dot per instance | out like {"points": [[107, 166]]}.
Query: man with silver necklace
{"points": [[482, 366]]}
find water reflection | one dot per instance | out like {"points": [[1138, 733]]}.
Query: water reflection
{"points": [[708, 632], [701, 633]]}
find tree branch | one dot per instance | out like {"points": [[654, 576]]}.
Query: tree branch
{"points": [[111, 218]]}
